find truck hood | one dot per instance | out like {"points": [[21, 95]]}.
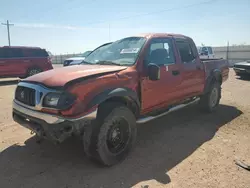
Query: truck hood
{"points": [[60, 76]]}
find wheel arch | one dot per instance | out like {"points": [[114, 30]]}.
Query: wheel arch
{"points": [[215, 76], [33, 67], [125, 96]]}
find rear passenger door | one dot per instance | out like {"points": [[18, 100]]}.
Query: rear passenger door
{"points": [[192, 69], [35, 58]]}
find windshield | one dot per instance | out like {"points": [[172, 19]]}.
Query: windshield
{"points": [[85, 54], [121, 52]]}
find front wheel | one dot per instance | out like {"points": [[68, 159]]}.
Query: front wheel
{"points": [[112, 136], [210, 101]]}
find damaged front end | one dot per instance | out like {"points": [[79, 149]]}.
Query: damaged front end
{"points": [[31, 98]]}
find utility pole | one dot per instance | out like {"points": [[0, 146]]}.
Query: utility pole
{"points": [[8, 29], [227, 50]]}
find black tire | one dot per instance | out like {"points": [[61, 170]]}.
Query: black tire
{"points": [[210, 101], [96, 138], [33, 71]]}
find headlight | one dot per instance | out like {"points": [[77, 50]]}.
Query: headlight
{"points": [[60, 101], [51, 99]]}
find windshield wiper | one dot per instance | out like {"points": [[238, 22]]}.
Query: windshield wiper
{"points": [[107, 63], [85, 62]]}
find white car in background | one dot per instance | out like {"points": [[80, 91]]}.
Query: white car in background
{"points": [[76, 60], [206, 52]]}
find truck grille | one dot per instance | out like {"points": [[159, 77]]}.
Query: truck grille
{"points": [[25, 95]]}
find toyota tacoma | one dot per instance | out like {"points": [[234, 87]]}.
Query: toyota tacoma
{"points": [[133, 80]]}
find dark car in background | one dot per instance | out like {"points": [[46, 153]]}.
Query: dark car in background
{"points": [[242, 68], [20, 61]]}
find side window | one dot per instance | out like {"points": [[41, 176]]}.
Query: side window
{"points": [[210, 50], [35, 53], [2, 53], [155, 46], [193, 48], [160, 52], [185, 50], [40, 53], [15, 53]]}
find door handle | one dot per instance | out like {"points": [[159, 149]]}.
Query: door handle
{"points": [[198, 67], [175, 72]]}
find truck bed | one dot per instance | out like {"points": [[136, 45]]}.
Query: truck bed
{"points": [[218, 64]]}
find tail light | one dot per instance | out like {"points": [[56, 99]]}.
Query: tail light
{"points": [[49, 63], [49, 60]]}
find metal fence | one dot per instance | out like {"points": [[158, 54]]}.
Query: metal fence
{"points": [[232, 53], [59, 59]]}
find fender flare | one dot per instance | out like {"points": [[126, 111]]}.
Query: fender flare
{"points": [[114, 92], [215, 75]]}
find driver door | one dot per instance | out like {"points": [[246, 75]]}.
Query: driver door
{"points": [[160, 93]]}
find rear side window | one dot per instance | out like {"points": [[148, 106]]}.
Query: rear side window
{"points": [[35, 53], [19, 53], [210, 50], [3, 53], [14, 53], [185, 50], [193, 48]]}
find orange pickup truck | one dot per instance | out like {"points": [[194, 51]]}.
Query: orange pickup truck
{"points": [[133, 80]]}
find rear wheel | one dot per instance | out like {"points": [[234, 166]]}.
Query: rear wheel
{"points": [[112, 136], [33, 71], [210, 101]]}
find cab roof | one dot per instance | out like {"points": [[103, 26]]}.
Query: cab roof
{"points": [[155, 35]]}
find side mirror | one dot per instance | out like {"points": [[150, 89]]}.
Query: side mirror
{"points": [[154, 72]]}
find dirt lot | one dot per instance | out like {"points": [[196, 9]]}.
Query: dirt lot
{"points": [[183, 149]]}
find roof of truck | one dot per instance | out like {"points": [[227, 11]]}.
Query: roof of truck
{"points": [[150, 35]]}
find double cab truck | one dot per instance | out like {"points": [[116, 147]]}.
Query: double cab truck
{"points": [[133, 80]]}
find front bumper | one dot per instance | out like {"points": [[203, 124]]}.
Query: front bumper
{"points": [[52, 127], [241, 70]]}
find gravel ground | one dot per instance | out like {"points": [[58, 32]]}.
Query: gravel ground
{"points": [[183, 149]]}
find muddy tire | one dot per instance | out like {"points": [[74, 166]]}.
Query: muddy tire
{"points": [[112, 136], [210, 101]]}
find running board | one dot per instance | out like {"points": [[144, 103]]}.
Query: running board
{"points": [[149, 118]]}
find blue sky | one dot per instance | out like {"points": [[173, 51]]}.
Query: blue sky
{"points": [[73, 26]]}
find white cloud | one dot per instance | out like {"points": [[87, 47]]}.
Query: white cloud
{"points": [[49, 26]]}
